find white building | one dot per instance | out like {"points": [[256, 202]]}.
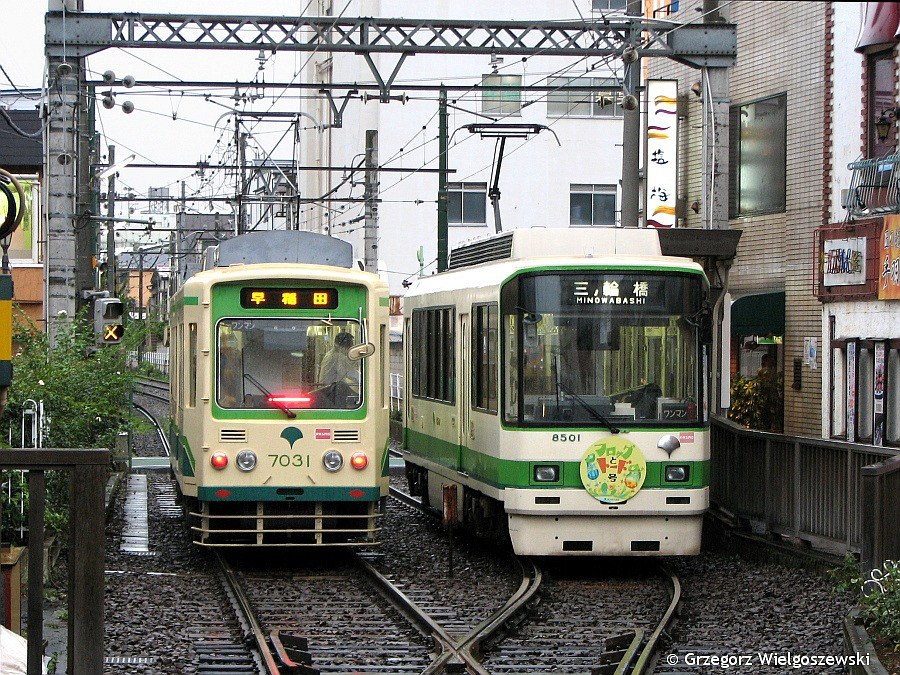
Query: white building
{"points": [[566, 175]]}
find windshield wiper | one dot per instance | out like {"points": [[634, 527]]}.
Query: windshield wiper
{"points": [[600, 417], [271, 400]]}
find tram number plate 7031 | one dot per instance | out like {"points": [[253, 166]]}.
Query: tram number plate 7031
{"points": [[290, 460]]}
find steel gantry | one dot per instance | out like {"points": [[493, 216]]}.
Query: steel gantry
{"points": [[70, 36]]}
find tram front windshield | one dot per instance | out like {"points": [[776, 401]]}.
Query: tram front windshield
{"points": [[594, 348], [287, 363]]}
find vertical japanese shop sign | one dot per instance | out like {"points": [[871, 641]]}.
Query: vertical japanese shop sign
{"points": [[878, 426], [889, 254], [662, 152], [851, 392]]}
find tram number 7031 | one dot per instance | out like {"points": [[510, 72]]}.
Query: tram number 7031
{"points": [[566, 438], [290, 460]]}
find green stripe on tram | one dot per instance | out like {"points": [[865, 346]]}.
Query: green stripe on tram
{"points": [[503, 473]]}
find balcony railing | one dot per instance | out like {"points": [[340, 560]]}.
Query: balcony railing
{"points": [[874, 187]]}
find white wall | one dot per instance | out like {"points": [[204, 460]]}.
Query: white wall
{"points": [[536, 174]]}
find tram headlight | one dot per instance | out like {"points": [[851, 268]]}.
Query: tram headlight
{"points": [[333, 461], [546, 473], [246, 460], [678, 473]]}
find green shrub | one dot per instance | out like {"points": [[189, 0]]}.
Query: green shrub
{"points": [[878, 596], [86, 400], [758, 402], [880, 602]]}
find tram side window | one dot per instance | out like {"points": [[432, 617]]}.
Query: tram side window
{"points": [[484, 357], [433, 362], [192, 365]]}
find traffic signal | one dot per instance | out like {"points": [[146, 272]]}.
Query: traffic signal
{"points": [[108, 325]]}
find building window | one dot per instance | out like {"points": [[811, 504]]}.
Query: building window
{"points": [[467, 203], [484, 357], [433, 359], [592, 205], [498, 102], [880, 77], [758, 157], [608, 5], [604, 101]]}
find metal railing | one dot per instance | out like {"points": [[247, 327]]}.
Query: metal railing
{"points": [[874, 187], [87, 518], [159, 360], [396, 392], [810, 489]]}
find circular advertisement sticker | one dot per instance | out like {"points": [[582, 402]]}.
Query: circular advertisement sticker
{"points": [[613, 470]]}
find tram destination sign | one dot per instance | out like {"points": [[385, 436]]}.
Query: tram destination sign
{"points": [[254, 297]]}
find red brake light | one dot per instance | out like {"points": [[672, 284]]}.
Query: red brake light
{"points": [[219, 460], [289, 400], [359, 461]]}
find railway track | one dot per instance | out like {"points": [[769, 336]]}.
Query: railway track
{"points": [[154, 389], [579, 625], [347, 612]]}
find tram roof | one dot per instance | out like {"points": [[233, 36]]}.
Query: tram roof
{"points": [[540, 248]]}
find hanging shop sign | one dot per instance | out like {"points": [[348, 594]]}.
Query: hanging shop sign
{"points": [[889, 260], [662, 150], [845, 262]]}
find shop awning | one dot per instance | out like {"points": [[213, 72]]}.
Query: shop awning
{"points": [[879, 26], [760, 314]]}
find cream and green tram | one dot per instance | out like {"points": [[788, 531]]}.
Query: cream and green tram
{"points": [[264, 450], [556, 380]]}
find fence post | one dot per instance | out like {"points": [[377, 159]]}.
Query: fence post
{"points": [[797, 505], [36, 503], [86, 580], [870, 488]]}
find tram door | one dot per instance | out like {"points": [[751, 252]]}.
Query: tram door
{"points": [[465, 385]]}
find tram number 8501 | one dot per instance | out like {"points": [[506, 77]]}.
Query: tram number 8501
{"points": [[566, 438]]}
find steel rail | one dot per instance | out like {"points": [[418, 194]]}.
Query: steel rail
{"points": [[156, 425], [152, 389], [247, 617], [464, 651], [648, 653]]}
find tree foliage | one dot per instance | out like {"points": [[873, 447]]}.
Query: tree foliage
{"points": [[85, 393]]}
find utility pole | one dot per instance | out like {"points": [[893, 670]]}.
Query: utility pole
{"points": [[85, 230], [110, 226], [631, 124], [64, 77], [716, 103], [443, 175], [241, 145], [370, 231]]}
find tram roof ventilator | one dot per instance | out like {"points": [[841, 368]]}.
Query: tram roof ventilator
{"points": [[280, 246]]}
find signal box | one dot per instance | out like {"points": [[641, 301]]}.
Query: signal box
{"points": [[108, 320]]}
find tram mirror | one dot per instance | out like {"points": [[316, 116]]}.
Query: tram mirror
{"points": [[362, 351]]}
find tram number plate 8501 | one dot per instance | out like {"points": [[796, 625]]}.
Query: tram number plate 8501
{"points": [[290, 460], [566, 438]]}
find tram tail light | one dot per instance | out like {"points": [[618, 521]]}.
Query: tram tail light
{"points": [[359, 461], [219, 460]]}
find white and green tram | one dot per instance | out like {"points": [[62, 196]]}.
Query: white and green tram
{"points": [[264, 450], [556, 378]]}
